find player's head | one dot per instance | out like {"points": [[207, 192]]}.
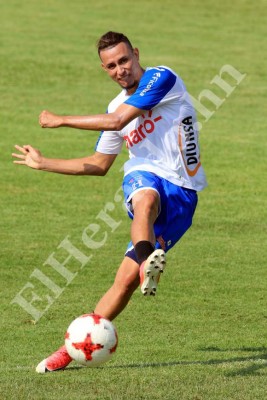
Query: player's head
{"points": [[120, 60]]}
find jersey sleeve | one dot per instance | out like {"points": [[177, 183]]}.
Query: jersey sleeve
{"points": [[109, 142], [153, 88]]}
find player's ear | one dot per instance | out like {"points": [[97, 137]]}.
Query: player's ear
{"points": [[103, 67], [136, 53]]}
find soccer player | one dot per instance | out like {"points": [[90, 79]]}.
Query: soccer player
{"points": [[154, 117]]}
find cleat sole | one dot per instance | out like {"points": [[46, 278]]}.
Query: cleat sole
{"points": [[154, 266]]}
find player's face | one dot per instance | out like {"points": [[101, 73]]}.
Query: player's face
{"points": [[122, 65]]}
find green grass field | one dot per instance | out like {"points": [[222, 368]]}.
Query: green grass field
{"points": [[203, 337]]}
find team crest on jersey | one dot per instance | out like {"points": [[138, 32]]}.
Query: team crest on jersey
{"points": [[140, 133]]}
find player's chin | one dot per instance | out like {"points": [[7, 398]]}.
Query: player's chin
{"points": [[127, 85], [123, 84]]}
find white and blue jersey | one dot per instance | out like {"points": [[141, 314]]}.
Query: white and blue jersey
{"points": [[163, 152], [164, 139]]}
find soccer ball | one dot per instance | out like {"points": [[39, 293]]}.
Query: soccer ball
{"points": [[91, 340]]}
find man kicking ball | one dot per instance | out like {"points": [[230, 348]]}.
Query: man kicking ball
{"points": [[154, 117]]}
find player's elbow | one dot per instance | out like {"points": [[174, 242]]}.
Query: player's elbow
{"points": [[105, 167], [102, 171], [98, 164], [117, 123], [94, 170]]}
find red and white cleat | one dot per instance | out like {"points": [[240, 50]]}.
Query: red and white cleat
{"points": [[150, 271], [57, 361]]}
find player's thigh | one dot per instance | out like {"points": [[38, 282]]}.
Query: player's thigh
{"points": [[146, 201]]}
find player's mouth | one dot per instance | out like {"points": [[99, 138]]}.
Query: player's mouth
{"points": [[124, 79], [127, 82]]}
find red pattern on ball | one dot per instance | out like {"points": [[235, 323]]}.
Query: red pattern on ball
{"points": [[87, 347]]}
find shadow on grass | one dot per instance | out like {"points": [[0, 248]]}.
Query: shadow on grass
{"points": [[258, 361]]}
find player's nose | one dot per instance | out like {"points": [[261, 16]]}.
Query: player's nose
{"points": [[120, 70]]}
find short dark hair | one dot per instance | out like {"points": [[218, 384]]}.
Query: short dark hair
{"points": [[111, 39]]}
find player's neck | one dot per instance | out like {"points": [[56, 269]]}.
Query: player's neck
{"points": [[132, 89]]}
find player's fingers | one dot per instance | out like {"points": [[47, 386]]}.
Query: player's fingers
{"points": [[22, 156], [19, 162], [28, 147], [21, 149]]}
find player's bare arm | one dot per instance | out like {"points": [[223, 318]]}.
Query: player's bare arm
{"points": [[96, 164], [109, 122]]}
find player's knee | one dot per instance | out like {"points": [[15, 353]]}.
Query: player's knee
{"points": [[147, 203]]}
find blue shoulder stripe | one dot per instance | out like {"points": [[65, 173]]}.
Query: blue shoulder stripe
{"points": [[153, 87]]}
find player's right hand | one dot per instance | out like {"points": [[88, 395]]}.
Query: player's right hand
{"points": [[28, 156], [49, 120]]}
